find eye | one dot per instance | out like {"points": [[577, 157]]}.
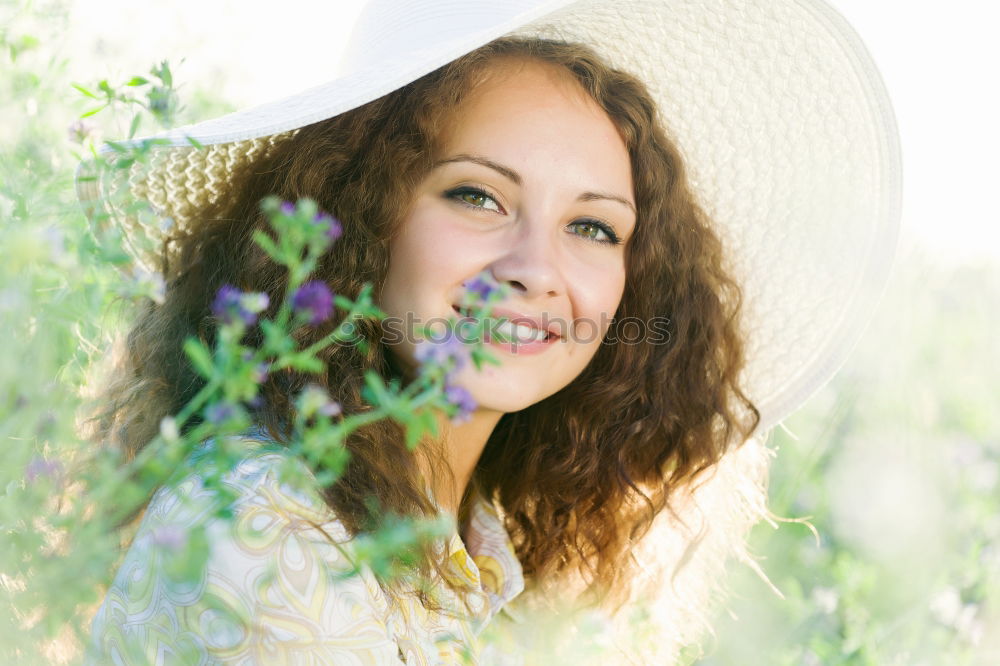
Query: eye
{"points": [[596, 231], [473, 197], [592, 230]]}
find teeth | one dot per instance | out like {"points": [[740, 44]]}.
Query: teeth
{"points": [[512, 331], [521, 333]]}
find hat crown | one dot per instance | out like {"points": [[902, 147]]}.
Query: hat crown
{"points": [[388, 30]]}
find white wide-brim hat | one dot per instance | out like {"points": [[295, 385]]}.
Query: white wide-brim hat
{"points": [[776, 106]]}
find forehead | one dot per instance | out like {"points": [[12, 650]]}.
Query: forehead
{"points": [[521, 84], [536, 113]]}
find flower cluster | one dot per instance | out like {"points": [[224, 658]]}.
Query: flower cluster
{"points": [[450, 354], [315, 401], [482, 287], [221, 412], [331, 226], [306, 217], [81, 130], [462, 401], [313, 301], [232, 305], [40, 468]]}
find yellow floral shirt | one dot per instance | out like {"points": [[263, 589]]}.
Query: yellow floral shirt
{"points": [[270, 592]]}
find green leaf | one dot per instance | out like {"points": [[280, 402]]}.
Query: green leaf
{"points": [[84, 91], [137, 81], [335, 459], [414, 432], [430, 422], [87, 114], [194, 142], [134, 127], [266, 244], [275, 340], [20, 45], [376, 388], [343, 302], [162, 72], [200, 357], [306, 363]]}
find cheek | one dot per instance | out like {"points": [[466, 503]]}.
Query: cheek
{"points": [[597, 304], [412, 259], [428, 258]]}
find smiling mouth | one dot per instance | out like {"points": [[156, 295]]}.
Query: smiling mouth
{"points": [[511, 331]]}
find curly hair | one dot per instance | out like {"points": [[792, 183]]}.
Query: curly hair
{"points": [[595, 462]]}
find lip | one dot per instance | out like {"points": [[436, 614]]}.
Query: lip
{"points": [[522, 348]]}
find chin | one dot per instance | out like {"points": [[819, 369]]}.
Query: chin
{"points": [[495, 392]]}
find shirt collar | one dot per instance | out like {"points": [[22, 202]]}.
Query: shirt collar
{"points": [[485, 559]]}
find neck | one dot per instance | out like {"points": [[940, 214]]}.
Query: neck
{"points": [[461, 446]]}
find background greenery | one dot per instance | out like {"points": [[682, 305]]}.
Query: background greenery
{"points": [[895, 462]]}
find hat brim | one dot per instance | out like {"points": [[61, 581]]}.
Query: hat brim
{"points": [[782, 117]]}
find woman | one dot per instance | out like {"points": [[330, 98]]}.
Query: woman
{"points": [[535, 161]]}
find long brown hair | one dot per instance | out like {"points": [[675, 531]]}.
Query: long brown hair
{"points": [[580, 475]]}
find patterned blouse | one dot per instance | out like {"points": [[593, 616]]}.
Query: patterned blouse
{"points": [[270, 592]]}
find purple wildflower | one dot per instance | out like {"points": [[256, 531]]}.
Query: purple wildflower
{"points": [[80, 130], [287, 208], [450, 350], [220, 412], [315, 400], [40, 468], [231, 305], [332, 409], [463, 400], [260, 372], [334, 229], [255, 301], [315, 300], [482, 286], [171, 537]]}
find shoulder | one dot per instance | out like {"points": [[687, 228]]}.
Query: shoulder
{"points": [[266, 509], [264, 478], [278, 560]]}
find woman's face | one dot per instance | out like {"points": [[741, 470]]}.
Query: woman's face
{"points": [[535, 187]]}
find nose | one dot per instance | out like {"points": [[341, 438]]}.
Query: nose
{"points": [[531, 266]]}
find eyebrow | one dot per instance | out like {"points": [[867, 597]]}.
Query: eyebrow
{"points": [[515, 177]]}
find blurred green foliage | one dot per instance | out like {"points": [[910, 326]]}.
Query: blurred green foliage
{"points": [[897, 465]]}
